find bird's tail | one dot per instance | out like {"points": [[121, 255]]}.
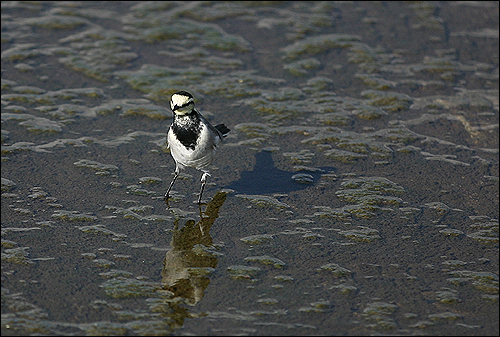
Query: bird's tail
{"points": [[224, 130]]}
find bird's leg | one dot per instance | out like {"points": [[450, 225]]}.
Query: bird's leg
{"points": [[176, 174], [204, 177]]}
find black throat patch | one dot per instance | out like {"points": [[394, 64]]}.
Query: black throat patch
{"points": [[187, 128]]}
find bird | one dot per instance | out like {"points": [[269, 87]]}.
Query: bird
{"points": [[191, 138]]}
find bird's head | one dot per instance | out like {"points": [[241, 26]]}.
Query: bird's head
{"points": [[182, 103]]}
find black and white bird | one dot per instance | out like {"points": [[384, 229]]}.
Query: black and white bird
{"points": [[192, 139]]}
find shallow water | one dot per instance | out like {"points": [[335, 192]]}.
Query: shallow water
{"points": [[356, 194]]}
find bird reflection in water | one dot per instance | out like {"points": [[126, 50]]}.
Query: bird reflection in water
{"points": [[189, 262]]}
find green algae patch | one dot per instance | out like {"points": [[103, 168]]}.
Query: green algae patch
{"points": [[268, 301], [447, 296], [302, 67], [343, 156], [239, 272], [125, 287], [450, 232], [371, 185], [263, 201], [73, 216], [34, 123], [56, 22], [95, 165], [8, 185], [389, 101], [487, 231], [368, 195], [257, 239], [486, 282], [277, 263], [379, 315], [131, 212], [328, 212], [100, 230], [445, 316], [317, 307], [17, 255], [150, 180], [303, 178], [363, 234], [345, 289], [318, 44], [301, 157], [138, 190], [153, 79], [283, 278], [151, 111], [206, 34], [336, 270]]}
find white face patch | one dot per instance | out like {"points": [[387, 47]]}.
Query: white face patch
{"points": [[181, 104]]}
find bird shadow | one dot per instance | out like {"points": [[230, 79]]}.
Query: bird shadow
{"points": [[266, 178]]}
